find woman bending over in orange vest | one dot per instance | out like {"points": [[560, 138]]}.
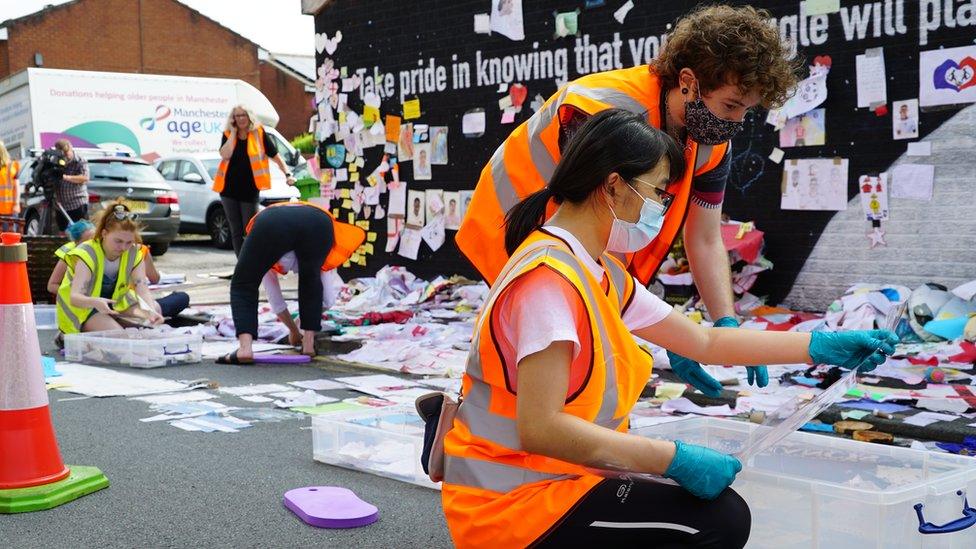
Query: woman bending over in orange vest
{"points": [[308, 238], [244, 170], [554, 370]]}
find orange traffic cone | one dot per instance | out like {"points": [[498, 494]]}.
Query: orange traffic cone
{"points": [[32, 475]]}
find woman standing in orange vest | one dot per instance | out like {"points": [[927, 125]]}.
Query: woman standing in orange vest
{"points": [[554, 370], [244, 170], [717, 63], [318, 243], [9, 188]]}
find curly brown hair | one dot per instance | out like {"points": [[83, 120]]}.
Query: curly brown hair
{"points": [[730, 45]]}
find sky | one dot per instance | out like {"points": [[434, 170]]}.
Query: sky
{"points": [[280, 30]]}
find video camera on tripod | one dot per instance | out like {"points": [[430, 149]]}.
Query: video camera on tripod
{"points": [[48, 173]]}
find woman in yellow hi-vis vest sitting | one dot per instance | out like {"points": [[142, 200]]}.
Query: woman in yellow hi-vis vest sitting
{"points": [[554, 370], [106, 276]]}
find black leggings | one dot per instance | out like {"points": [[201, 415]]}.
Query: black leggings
{"points": [[307, 231], [624, 513]]}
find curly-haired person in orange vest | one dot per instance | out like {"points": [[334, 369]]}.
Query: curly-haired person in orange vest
{"points": [[718, 63], [554, 370]]}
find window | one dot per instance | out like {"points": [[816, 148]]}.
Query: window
{"points": [[211, 165], [188, 167], [168, 169], [123, 171]]}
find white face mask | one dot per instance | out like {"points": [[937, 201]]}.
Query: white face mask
{"points": [[627, 237]]}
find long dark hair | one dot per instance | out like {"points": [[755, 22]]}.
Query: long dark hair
{"points": [[612, 141]]}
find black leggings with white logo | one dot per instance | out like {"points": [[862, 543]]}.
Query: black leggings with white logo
{"points": [[624, 513]]}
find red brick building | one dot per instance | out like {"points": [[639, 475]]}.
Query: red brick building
{"points": [[154, 37]]}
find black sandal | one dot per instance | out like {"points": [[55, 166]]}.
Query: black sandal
{"points": [[232, 358]]}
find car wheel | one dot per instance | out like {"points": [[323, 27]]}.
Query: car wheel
{"points": [[158, 248], [219, 229], [32, 225]]}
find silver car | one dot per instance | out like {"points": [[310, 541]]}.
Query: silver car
{"points": [[191, 176], [110, 177]]}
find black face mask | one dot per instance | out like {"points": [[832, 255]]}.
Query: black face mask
{"points": [[706, 128]]}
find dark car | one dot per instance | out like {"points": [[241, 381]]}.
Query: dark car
{"points": [[144, 190]]}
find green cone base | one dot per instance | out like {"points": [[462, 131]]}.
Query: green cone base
{"points": [[82, 481]]}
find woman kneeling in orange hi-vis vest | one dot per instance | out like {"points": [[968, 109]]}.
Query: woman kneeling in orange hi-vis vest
{"points": [[554, 369], [313, 241]]}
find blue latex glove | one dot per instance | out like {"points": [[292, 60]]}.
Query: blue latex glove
{"points": [[702, 471], [692, 372], [861, 349], [757, 375]]}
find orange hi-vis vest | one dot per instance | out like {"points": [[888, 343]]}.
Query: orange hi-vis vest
{"points": [[495, 494], [256, 155], [8, 187], [525, 161], [348, 238]]}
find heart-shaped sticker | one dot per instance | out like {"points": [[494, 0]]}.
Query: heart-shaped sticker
{"points": [[955, 76], [518, 93], [329, 44], [823, 60]]}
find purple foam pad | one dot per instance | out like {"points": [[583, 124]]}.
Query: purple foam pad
{"points": [[281, 359], [330, 507]]}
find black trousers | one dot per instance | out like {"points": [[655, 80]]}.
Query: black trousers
{"points": [[624, 513], [307, 231]]}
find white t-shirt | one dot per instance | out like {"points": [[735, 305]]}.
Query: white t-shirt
{"points": [[534, 311], [331, 284]]}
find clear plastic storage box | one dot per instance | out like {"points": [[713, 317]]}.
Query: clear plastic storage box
{"points": [[133, 347], [382, 441], [827, 492]]}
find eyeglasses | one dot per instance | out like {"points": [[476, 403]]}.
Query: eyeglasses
{"points": [[121, 213], [664, 196]]}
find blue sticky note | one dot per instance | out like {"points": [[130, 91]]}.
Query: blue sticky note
{"points": [[817, 427], [49, 365]]}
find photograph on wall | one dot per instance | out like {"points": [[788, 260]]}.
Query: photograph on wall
{"points": [[904, 119], [506, 18], [438, 145], [465, 201], [435, 203], [421, 161], [452, 211], [874, 196], [405, 145], [804, 131], [415, 208], [815, 184]]}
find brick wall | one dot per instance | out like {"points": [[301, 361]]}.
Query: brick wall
{"points": [[167, 37], [282, 89], [403, 36]]}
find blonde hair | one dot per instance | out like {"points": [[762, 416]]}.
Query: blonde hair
{"points": [[229, 125], [107, 221], [4, 156]]}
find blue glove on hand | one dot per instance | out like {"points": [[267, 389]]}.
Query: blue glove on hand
{"points": [[758, 375], [861, 349], [702, 471], [692, 372]]}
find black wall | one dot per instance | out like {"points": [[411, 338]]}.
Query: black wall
{"points": [[395, 35]]}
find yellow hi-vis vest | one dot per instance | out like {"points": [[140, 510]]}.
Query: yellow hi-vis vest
{"points": [[256, 155], [71, 318], [495, 493]]}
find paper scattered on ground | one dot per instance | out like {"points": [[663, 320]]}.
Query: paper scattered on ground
{"points": [[318, 384], [102, 382], [686, 406], [254, 389], [378, 385], [215, 349], [256, 398], [923, 419]]}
